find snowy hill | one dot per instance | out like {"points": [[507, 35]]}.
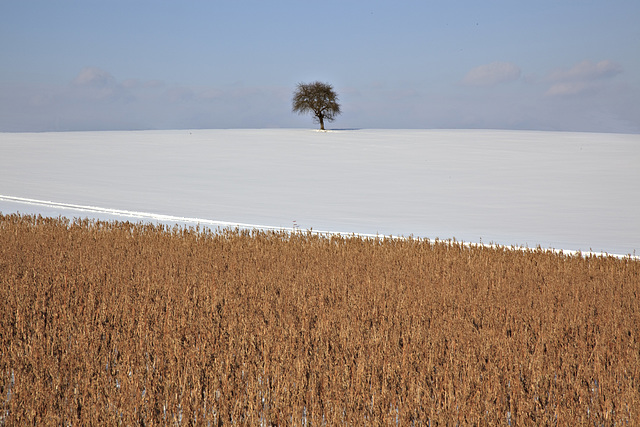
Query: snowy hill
{"points": [[575, 191]]}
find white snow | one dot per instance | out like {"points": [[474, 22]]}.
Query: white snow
{"points": [[572, 191]]}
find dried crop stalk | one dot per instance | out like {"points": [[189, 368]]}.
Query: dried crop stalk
{"points": [[105, 323]]}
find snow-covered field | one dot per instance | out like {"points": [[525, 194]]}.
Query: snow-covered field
{"points": [[572, 191]]}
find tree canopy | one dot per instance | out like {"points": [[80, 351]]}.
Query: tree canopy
{"points": [[317, 98]]}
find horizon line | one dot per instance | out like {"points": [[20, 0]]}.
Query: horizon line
{"points": [[346, 129]]}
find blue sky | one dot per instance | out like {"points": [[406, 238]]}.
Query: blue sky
{"points": [[138, 64]]}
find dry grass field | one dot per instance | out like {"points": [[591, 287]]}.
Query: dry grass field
{"points": [[136, 324]]}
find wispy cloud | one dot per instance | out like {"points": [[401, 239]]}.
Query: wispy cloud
{"points": [[94, 77], [95, 99], [569, 88], [587, 70], [586, 76], [95, 84], [492, 74]]}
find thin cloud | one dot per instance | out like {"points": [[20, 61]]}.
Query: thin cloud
{"points": [[131, 83], [492, 74], [94, 77], [97, 85], [587, 70], [153, 84], [96, 100], [584, 77], [180, 94], [569, 88]]}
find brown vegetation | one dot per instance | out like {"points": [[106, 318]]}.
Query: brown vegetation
{"points": [[120, 323]]}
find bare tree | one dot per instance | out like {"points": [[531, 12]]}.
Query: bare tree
{"points": [[316, 98]]}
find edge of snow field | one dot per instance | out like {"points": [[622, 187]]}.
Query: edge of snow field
{"points": [[171, 219]]}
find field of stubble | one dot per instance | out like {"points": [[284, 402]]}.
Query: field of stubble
{"points": [[120, 323]]}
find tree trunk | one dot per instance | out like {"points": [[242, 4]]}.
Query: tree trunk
{"points": [[321, 122]]}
